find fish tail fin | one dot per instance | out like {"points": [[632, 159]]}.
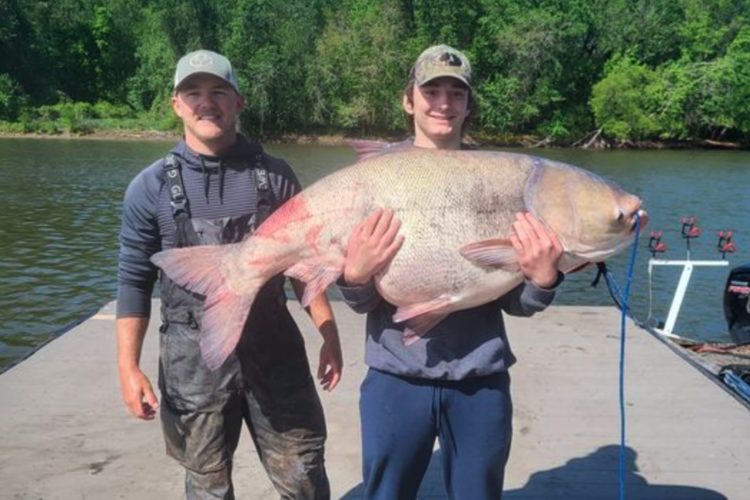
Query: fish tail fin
{"points": [[199, 269], [196, 268], [223, 322]]}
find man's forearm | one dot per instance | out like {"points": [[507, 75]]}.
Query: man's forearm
{"points": [[319, 310], [130, 334]]}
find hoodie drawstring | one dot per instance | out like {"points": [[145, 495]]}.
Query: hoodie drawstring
{"points": [[221, 181], [206, 179]]}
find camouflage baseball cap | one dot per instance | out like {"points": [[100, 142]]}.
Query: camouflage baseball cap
{"points": [[204, 61], [441, 60]]}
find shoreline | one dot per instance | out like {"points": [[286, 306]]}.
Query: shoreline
{"points": [[153, 135], [526, 142], [131, 135]]}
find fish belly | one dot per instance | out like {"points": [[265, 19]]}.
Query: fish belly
{"points": [[444, 202]]}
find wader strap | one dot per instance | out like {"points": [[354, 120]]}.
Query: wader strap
{"points": [[176, 189], [184, 233], [265, 194]]}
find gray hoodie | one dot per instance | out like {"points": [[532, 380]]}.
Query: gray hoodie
{"points": [[215, 187]]}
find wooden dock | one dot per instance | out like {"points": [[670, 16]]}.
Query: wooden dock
{"points": [[66, 434]]}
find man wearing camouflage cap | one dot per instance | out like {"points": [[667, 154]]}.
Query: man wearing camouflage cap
{"points": [[452, 385], [213, 188]]}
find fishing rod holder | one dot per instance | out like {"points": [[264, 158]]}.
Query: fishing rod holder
{"points": [[725, 244], [655, 245], [689, 231]]}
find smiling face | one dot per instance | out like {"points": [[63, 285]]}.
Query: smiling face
{"points": [[439, 108], [208, 107]]}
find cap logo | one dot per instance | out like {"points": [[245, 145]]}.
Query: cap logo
{"points": [[450, 59], [201, 60]]}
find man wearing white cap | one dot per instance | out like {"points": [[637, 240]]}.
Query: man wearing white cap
{"points": [[215, 187]]}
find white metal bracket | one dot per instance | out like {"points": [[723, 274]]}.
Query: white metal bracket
{"points": [[679, 294]]}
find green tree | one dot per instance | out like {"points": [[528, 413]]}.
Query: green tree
{"points": [[360, 66], [645, 29], [709, 26], [722, 93], [190, 24], [115, 48], [24, 59], [63, 29], [12, 98], [537, 62], [271, 44], [444, 21], [621, 107], [641, 69], [149, 87], [738, 62]]}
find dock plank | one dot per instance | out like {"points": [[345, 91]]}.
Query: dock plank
{"points": [[66, 434]]}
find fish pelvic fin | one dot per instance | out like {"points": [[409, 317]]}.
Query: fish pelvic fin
{"points": [[317, 278], [434, 306], [496, 253], [418, 326], [198, 269]]}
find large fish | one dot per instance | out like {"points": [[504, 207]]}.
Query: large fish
{"points": [[456, 209]]}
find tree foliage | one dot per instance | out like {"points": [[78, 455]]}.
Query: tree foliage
{"points": [[624, 101], [636, 69], [359, 67]]}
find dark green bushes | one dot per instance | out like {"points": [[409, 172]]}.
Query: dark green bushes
{"points": [[551, 70]]}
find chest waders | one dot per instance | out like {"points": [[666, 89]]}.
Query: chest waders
{"points": [[265, 382]]}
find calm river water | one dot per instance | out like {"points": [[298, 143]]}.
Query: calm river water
{"points": [[61, 199]]}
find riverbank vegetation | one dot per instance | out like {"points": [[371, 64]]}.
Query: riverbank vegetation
{"points": [[558, 72]]}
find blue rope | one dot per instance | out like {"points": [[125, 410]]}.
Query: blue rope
{"points": [[623, 317], [621, 299]]}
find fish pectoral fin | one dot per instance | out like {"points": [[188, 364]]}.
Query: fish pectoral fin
{"points": [[367, 149], [580, 267], [418, 326], [317, 278], [434, 306], [496, 253], [571, 264]]}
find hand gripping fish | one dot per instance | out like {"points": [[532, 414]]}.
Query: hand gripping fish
{"points": [[456, 209]]}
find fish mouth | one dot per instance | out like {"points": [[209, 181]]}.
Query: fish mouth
{"points": [[639, 220], [631, 215]]}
